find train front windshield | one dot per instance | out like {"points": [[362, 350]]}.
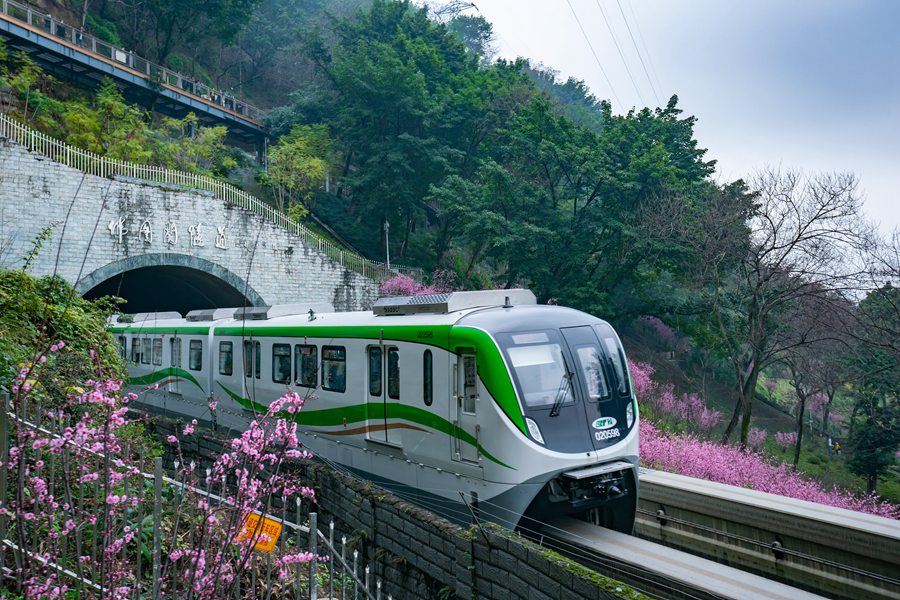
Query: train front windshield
{"points": [[544, 379], [573, 384]]}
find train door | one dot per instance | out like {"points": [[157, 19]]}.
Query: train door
{"points": [[594, 379], [174, 363], [377, 424], [466, 418]]}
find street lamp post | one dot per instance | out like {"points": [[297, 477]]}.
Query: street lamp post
{"points": [[387, 243]]}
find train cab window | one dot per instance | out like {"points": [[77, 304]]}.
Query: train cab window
{"points": [[540, 370], [157, 351], [195, 355], [135, 350], [145, 351], [393, 373], [618, 360], [306, 365], [226, 358], [281, 363], [591, 364], [428, 378], [375, 376], [334, 368], [249, 363]]}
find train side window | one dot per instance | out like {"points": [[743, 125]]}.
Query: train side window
{"points": [[175, 347], [195, 355], [306, 365], [470, 372], [251, 359], [135, 350], [157, 351], [428, 378], [281, 363], [375, 377], [226, 358], [334, 368], [123, 347], [248, 359], [394, 373], [145, 351]]}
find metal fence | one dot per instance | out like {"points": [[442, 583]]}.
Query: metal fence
{"points": [[76, 36], [101, 166], [339, 575]]}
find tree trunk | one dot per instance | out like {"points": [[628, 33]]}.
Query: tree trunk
{"points": [[872, 483], [344, 171], [801, 409], [744, 405], [405, 245], [738, 405], [826, 410], [749, 395]]}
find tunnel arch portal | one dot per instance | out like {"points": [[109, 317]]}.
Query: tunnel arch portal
{"points": [[168, 281]]}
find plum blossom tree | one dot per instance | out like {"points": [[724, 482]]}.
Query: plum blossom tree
{"points": [[79, 510], [804, 238]]}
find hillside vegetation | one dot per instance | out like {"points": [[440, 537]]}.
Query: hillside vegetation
{"points": [[498, 174]]}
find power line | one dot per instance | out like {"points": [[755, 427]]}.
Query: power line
{"points": [[619, 49], [646, 51], [596, 58]]}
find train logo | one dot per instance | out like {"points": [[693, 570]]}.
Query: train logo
{"points": [[604, 423]]}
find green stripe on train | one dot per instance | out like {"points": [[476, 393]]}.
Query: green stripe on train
{"points": [[358, 413], [490, 364], [162, 373]]}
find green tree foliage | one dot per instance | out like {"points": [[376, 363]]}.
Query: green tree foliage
{"points": [[475, 32], [572, 96], [875, 431], [184, 144], [35, 313], [156, 28], [402, 88], [297, 166], [475, 167]]}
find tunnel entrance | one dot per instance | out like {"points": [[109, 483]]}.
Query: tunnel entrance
{"points": [[169, 287]]}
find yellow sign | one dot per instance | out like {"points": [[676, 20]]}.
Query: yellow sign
{"points": [[265, 533]]}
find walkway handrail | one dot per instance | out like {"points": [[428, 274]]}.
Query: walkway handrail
{"points": [[88, 43], [101, 166]]}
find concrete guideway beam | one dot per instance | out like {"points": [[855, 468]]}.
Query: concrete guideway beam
{"points": [[832, 551]]}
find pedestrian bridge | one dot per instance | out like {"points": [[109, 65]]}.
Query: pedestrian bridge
{"points": [[70, 53]]}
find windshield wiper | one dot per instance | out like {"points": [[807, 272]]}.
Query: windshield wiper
{"points": [[564, 385]]}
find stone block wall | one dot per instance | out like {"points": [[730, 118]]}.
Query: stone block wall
{"points": [[416, 554], [102, 227]]}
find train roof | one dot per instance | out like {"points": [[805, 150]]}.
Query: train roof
{"points": [[491, 310], [430, 309]]}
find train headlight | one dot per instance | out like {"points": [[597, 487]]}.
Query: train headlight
{"points": [[629, 414], [534, 430]]}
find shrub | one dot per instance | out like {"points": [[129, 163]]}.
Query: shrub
{"points": [[687, 455]]}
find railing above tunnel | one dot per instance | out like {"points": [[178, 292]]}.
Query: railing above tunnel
{"points": [[124, 59]]}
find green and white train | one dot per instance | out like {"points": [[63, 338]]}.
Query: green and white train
{"points": [[467, 402]]}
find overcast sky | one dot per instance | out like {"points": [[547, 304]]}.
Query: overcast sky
{"points": [[809, 84]]}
